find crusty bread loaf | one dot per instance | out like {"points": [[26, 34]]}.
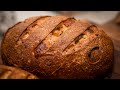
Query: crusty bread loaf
{"points": [[7, 72], [58, 47]]}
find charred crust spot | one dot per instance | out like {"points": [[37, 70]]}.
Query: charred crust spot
{"points": [[70, 46], [80, 37], [93, 54], [34, 25], [39, 49], [97, 34], [90, 31]]}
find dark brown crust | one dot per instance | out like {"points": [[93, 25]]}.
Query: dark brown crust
{"points": [[84, 38], [32, 25], [73, 31], [45, 28], [82, 51], [7, 72], [56, 33], [13, 34]]}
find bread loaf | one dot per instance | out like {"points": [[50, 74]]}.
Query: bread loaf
{"points": [[58, 47], [7, 72]]}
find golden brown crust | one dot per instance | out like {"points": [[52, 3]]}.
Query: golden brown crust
{"points": [[53, 36], [7, 72], [60, 47], [72, 32]]}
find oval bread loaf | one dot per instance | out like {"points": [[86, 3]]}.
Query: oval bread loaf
{"points": [[58, 47]]}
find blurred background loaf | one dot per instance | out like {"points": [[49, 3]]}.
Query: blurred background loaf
{"points": [[8, 72]]}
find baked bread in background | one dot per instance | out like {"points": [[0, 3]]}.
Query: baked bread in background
{"points": [[8, 72], [58, 47]]}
